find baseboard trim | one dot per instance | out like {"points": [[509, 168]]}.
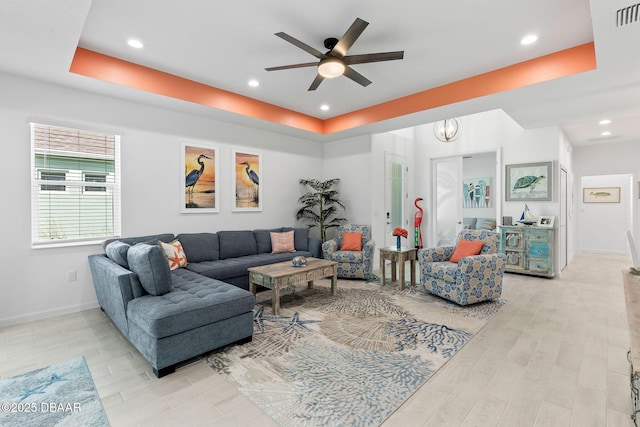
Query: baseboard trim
{"points": [[46, 314]]}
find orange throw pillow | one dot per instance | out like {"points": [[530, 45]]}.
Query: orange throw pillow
{"points": [[351, 242], [175, 254], [466, 248]]}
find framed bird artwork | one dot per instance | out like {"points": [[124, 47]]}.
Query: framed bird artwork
{"points": [[199, 166], [247, 181]]}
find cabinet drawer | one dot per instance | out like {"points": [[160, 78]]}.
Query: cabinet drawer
{"points": [[538, 265], [538, 236], [538, 250]]}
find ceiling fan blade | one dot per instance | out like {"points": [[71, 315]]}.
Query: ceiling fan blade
{"points": [[287, 67], [301, 45], [350, 36], [356, 76], [373, 57], [316, 82]]}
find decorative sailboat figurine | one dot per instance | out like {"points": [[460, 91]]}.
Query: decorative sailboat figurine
{"points": [[527, 217]]}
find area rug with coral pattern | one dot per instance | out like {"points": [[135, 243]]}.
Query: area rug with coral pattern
{"points": [[63, 394], [348, 359]]}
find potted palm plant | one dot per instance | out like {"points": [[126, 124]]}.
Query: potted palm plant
{"points": [[320, 205]]}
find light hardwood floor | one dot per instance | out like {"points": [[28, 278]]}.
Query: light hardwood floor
{"points": [[555, 355]]}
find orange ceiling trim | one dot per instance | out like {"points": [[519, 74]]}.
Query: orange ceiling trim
{"points": [[549, 67], [102, 67], [553, 66]]}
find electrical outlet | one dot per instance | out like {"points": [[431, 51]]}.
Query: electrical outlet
{"points": [[72, 276]]}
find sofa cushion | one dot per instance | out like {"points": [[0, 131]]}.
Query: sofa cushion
{"points": [[235, 244], [151, 239], [486, 224], [117, 252], [151, 266], [174, 253], [194, 301], [469, 223], [237, 267], [300, 237], [282, 242], [200, 246], [263, 239]]}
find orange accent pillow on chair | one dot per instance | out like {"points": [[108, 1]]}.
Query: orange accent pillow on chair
{"points": [[351, 242], [466, 248]]}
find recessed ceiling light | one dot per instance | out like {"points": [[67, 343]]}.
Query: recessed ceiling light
{"points": [[137, 44], [324, 107], [531, 38], [605, 121], [606, 133], [254, 83]]}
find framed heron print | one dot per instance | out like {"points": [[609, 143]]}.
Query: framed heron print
{"points": [[529, 182], [198, 169], [247, 181]]}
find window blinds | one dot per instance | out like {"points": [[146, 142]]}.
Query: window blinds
{"points": [[75, 185]]}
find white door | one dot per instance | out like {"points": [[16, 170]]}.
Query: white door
{"points": [[448, 200], [562, 228], [395, 196]]}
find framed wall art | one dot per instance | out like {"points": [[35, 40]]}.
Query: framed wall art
{"points": [[247, 181], [601, 195], [477, 192], [198, 169], [529, 182]]}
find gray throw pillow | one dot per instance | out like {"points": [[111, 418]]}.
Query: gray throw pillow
{"points": [[117, 252], [150, 265]]}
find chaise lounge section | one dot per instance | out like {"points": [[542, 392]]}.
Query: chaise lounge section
{"points": [[173, 315]]}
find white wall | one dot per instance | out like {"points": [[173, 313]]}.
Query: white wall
{"points": [[35, 281], [608, 159], [350, 160], [602, 226], [492, 131]]}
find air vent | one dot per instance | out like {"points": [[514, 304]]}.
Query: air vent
{"points": [[627, 15]]}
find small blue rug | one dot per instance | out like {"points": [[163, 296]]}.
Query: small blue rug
{"points": [[63, 394]]}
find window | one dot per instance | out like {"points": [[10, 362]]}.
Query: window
{"points": [[47, 175], [95, 177], [83, 205]]}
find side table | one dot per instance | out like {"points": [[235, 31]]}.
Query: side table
{"points": [[395, 255]]}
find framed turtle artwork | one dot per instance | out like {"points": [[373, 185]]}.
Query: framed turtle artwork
{"points": [[529, 182]]}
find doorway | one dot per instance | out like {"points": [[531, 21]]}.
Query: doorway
{"points": [[448, 197], [466, 194], [564, 215], [394, 195]]}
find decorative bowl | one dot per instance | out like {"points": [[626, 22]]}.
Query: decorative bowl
{"points": [[299, 261]]}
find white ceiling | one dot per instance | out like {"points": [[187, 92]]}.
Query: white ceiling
{"points": [[225, 45]]}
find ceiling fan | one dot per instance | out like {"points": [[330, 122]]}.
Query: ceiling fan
{"points": [[335, 62]]}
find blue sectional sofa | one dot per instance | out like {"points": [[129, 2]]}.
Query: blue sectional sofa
{"points": [[172, 316]]}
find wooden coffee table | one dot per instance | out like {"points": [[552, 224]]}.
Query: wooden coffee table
{"points": [[283, 274]]}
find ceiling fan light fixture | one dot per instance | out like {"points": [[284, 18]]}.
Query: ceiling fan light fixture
{"points": [[330, 68], [447, 130]]}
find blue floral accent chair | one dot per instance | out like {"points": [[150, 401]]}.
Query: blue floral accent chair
{"points": [[352, 264], [473, 279]]}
